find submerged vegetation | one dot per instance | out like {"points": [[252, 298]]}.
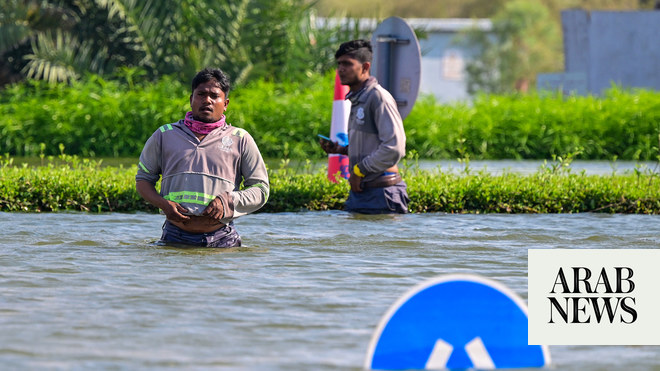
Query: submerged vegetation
{"points": [[71, 183]]}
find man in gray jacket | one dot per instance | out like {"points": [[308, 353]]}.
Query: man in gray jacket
{"points": [[203, 160], [376, 140]]}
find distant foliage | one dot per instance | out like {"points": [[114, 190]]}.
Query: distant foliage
{"points": [[91, 118], [459, 8], [62, 40], [619, 125], [524, 41], [96, 117], [285, 119]]}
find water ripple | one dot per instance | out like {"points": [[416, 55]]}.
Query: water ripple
{"points": [[305, 292]]}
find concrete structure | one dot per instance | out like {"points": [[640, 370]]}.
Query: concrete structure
{"points": [[604, 48], [443, 61]]}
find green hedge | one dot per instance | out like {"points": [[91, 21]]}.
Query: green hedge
{"points": [[84, 185], [112, 118], [619, 125], [91, 118]]}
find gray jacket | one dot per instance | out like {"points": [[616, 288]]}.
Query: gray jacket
{"points": [[376, 139], [195, 172]]}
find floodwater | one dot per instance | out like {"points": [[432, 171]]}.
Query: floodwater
{"points": [[498, 167], [588, 167], [306, 292], [532, 166]]}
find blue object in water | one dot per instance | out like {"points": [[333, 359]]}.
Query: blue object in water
{"points": [[455, 321]]}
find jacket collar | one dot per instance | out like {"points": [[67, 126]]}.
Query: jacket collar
{"points": [[368, 85]]}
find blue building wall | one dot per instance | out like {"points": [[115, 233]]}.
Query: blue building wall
{"points": [[605, 48]]}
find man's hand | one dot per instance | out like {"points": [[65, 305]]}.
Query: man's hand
{"points": [[174, 212], [355, 182], [333, 147], [215, 210]]}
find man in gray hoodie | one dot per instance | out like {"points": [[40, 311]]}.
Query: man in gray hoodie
{"points": [[203, 160], [376, 139]]}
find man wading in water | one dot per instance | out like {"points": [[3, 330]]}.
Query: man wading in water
{"points": [[203, 162], [375, 135]]}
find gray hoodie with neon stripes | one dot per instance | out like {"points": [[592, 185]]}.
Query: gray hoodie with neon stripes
{"points": [[194, 172]]}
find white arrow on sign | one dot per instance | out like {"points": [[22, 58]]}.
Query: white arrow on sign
{"points": [[475, 350]]}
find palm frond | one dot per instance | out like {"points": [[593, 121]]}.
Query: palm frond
{"points": [[53, 57], [138, 24]]}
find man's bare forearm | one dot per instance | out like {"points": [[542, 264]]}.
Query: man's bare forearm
{"points": [[149, 193]]}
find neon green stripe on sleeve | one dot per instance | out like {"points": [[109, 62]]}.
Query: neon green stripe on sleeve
{"points": [[143, 167], [165, 128]]}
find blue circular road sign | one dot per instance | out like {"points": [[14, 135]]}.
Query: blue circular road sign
{"points": [[455, 321]]}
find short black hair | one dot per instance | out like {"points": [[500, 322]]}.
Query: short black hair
{"points": [[212, 74], [357, 49]]}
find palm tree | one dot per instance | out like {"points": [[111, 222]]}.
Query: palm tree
{"points": [[24, 24], [62, 40]]}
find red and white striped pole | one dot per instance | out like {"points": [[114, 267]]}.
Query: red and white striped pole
{"points": [[341, 109]]}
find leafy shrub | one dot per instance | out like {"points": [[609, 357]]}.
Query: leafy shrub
{"points": [[91, 118], [85, 185], [110, 118]]}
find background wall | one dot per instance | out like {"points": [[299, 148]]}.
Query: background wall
{"points": [[443, 61], [605, 48]]}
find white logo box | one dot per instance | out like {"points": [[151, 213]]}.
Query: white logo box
{"points": [[618, 304]]}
